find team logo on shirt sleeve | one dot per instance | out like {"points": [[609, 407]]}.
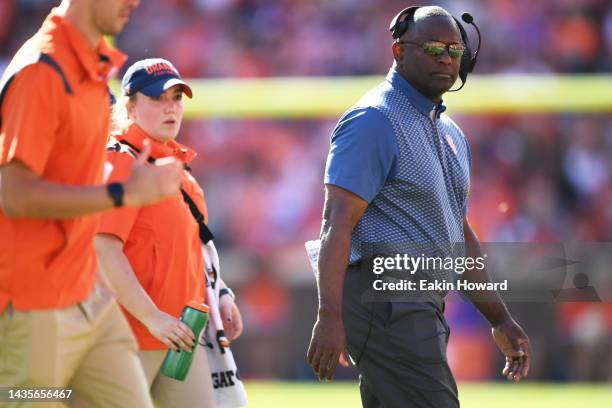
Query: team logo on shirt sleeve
{"points": [[451, 143]]}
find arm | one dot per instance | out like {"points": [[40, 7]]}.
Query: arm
{"points": [[168, 329], [343, 210], [230, 315], [494, 309], [508, 335], [25, 194]]}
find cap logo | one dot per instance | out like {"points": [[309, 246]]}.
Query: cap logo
{"points": [[161, 68]]}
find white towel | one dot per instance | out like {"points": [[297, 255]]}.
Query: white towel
{"points": [[312, 249], [229, 389]]}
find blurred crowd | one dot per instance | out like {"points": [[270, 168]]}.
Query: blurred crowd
{"points": [[535, 178], [252, 38]]}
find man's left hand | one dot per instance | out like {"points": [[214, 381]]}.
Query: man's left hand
{"points": [[231, 318], [514, 343]]}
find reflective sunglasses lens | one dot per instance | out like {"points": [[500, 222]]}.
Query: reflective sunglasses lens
{"points": [[456, 50], [433, 48]]}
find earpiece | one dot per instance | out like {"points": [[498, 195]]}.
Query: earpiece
{"points": [[398, 25]]}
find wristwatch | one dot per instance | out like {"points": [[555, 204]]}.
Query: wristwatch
{"points": [[227, 291], [115, 192]]}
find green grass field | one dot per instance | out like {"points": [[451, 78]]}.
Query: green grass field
{"points": [[471, 395]]}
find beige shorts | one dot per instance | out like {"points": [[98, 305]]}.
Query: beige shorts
{"points": [[88, 348]]}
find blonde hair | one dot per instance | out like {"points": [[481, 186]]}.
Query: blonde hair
{"points": [[120, 118]]}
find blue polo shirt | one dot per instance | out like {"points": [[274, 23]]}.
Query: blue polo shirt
{"points": [[399, 152]]}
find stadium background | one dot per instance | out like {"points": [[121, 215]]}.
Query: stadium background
{"points": [[540, 174]]}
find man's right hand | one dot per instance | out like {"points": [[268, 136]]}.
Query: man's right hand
{"points": [[327, 346], [149, 184]]}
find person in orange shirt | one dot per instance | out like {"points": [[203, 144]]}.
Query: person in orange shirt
{"points": [[153, 254], [58, 327]]}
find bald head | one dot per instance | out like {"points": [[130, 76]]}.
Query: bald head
{"points": [[423, 17], [431, 11]]}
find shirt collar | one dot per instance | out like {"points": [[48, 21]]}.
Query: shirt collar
{"points": [[99, 63], [136, 136], [418, 100]]}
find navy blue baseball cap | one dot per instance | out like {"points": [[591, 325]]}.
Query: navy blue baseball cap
{"points": [[152, 77]]}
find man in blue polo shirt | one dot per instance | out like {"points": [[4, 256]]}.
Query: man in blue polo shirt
{"points": [[398, 172]]}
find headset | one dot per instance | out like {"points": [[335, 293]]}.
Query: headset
{"points": [[400, 23]]}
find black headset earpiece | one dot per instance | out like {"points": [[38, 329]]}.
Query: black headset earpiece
{"points": [[466, 59], [400, 23]]}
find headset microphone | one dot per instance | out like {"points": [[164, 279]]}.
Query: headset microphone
{"points": [[467, 17], [468, 61]]}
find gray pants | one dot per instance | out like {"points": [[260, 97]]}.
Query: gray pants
{"points": [[399, 349]]}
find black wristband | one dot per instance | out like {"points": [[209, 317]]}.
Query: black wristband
{"points": [[115, 192], [227, 291]]}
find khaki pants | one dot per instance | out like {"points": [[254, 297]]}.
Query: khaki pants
{"points": [[88, 348], [195, 391]]}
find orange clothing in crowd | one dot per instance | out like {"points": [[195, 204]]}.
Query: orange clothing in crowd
{"points": [[58, 129], [162, 240]]}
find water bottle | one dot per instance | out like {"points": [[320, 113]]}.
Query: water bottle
{"points": [[177, 362]]}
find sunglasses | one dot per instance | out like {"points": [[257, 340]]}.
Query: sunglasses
{"points": [[435, 48]]}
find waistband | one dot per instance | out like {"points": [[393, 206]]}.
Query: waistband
{"points": [[433, 298]]}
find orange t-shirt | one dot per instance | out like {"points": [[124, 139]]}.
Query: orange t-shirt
{"points": [[59, 134], [162, 240]]}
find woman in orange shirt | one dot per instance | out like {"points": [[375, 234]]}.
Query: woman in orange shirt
{"points": [[153, 254]]}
